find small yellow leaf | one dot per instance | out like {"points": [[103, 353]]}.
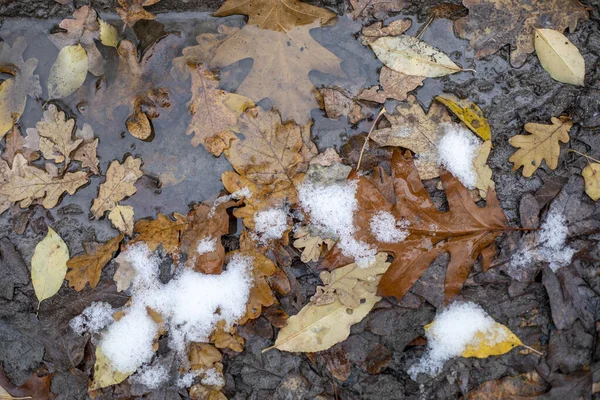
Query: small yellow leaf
{"points": [[68, 72], [469, 113], [559, 57], [122, 218], [12, 106], [591, 176], [484, 172], [493, 342], [104, 374], [49, 265], [109, 36]]}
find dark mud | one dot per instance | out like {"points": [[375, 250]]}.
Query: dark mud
{"points": [[559, 310]]}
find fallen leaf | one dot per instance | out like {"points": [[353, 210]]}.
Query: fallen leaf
{"points": [[56, 136], [35, 388], [124, 274], [162, 231], [497, 340], [227, 338], [83, 30], [119, 184], [131, 11], [14, 90], [376, 8], [311, 246], [411, 56], [591, 177], [282, 62], [394, 85], [49, 265], [449, 11], [86, 154], [122, 219], [109, 36], [372, 32], [491, 24], [542, 144], [15, 144], [559, 57], [351, 283], [87, 268], [414, 130], [525, 385], [338, 103], [214, 112], [484, 172], [203, 355], [466, 231], [104, 374], [469, 113]]}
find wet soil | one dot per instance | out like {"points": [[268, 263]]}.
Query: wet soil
{"points": [[559, 311]]}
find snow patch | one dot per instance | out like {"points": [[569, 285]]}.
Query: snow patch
{"points": [[93, 319], [386, 229], [152, 377], [457, 150], [270, 224], [207, 245], [212, 377]]}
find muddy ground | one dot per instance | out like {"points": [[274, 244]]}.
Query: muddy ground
{"points": [[556, 312]]}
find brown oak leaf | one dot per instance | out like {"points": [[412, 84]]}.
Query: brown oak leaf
{"points": [[87, 268], [15, 143], [338, 103], [131, 11], [162, 231], [378, 9], [119, 184]]}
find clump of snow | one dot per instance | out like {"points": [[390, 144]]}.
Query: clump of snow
{"points": [[386, 229], [192, 304], [93, 319], [549, 246], [185, 381], [212, 377], [457, 150], [452, 330], [207, 245], [152, 377], [238, 194], [331, 210], [270, 224]]}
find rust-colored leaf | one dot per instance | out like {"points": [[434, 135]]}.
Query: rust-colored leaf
{"points": [[161, 231], [87, 268], [131, 11]]}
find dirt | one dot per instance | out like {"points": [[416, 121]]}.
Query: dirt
{"points": [[559, 310]]}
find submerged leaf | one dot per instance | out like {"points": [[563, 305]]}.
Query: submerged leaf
{"points": [[49, 265], [120, 180], [559, 57], [87, 268], [56, 136], [68, 72], [469, 113]]}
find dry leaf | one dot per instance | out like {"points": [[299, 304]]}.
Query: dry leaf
{"points": [[87, 268], [376, 30], [15, 144], [528, 385], [162, 231], [224, 338], [203, 355], [559, 57], [214, 112], [491, 24], [109, 36], [378, 9], [86, 154], [412, 56], [14, 90], [542, 144], [484, 172], [104, 374], [413, 129], [311, 246], [83, 30], [338, 103], [122, 219], [119, 184], [282, 61], [469, 113], [591, 176], [49, 265], [124, 274], [56, 136], [131, 11], [394, 85]]}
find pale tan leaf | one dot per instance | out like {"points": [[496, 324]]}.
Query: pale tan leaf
{"points": [[68, 72], [120, 180], [122, 219], [56, 135], [338, 103], [124, 274], [559, 57], [49, 265], [591, 176], [310, 245], [86, 154], [394, 85], [16, 143], [484, 172]]}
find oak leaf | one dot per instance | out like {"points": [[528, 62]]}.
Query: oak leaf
{"points": [[122, 219], [119, 184], [542, 144], [86, 154], [56, 136], [312, 246], [14, 90], [282, 62], [591, 177], [214, 112], [203, 355], [162, 231], [394, 85], [227, 338], [87, 268], [372, 32], [15, 143], [131, 11], [491, 24], [466, 231]]}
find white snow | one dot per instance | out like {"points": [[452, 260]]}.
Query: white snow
{"points": [[457, 150], [549, 246], [152, 377], [270, 224], [189, 303], [207, 245], [238, 194], [386, 229], [212, 377], [93, 319], [451, 332], [185, 381], [331, 210]]}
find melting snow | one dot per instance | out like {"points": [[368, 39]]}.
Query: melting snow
{"points": [[386, 229], [152, 377], [457, 150], [93, 319], [270, 224]]}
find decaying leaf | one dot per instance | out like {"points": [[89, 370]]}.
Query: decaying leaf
{"points": [[394, 85], [56, 136], [15, 143], [83, 30], [131, 11], [87, 268], [372, 32], [214, 112], [559, 57], [413, 129], [351, 283], [119, 184], [104, 374], [282, 61], [528, 385], [591, 176], [491, 24], [411, 56], [227, 338], [14, 90], [469, 113], [122, 219], [49, 265], [338, 103], [466, 231], [484, 172], [542, 144], [162, 231], [86, 154], [378, 9]]}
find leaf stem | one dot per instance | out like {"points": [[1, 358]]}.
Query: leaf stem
{"points": [[585, 155], [539, 353], [362, 151]]}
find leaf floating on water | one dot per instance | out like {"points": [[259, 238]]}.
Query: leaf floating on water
{"points": [[469, 113], [49, 265], [162, 231], [68, 72], [56, 135], [122, 219], [86, 154], [109, 36], [412, 56], [131, 11], [591, 177], [87, 268], [559, 57]]}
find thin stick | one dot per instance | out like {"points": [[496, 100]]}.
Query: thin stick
{"points": [[423, 28], [539, 353], [585, 155], [362, 151]]}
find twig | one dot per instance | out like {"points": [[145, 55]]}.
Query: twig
{"points": [[539, 353], [423, 28], [362, 151]]}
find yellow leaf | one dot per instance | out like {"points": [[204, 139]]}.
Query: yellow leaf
{"points": [[591, 176], [109, 36], [122, 218], [68, 72], [469, 113], [104, 374], [493, 342], [484, 172], [49, 265], [120, 180], [559, 57]]}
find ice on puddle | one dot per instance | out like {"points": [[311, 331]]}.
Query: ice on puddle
{"points": [[457, 150], [93, 319], [386, 229]]}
